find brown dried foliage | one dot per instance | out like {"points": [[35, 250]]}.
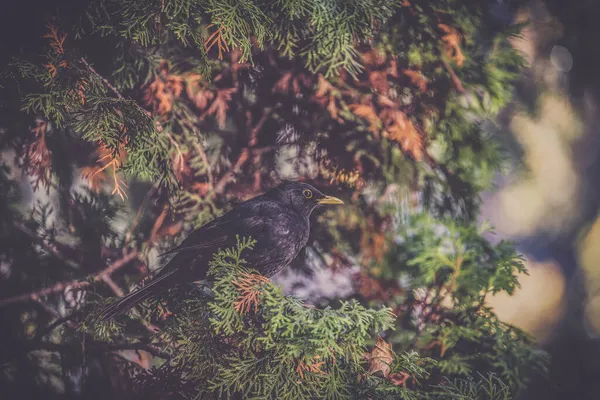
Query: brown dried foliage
{"points": [[199, 95], [96, 174], [452, 40], [163, 90], [373, 242], [326, 96], [417, 79], [313, 367], [399, 128], [35, 157], [57, 39], [249, 287], [217, 38], [294, 82], [220, 105]]}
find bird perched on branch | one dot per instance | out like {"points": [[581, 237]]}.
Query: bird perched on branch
{"points": [[278, 220]]}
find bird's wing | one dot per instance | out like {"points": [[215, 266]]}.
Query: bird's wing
{"points": [[206, 244], [222, 231]]}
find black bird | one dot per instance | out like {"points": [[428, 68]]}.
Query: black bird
{"points": [[278, 220]]}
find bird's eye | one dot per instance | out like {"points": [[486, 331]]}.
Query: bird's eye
{"points": [[307, 193]]}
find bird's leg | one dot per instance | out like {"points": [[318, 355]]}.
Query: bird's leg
{"points": [[249, 286]]}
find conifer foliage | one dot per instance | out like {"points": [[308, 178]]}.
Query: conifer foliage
{"points": [[170, 111]]}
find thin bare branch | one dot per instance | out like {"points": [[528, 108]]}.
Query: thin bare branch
{"points": [[75, 284]]}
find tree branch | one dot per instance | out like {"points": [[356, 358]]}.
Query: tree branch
{"points": [[103, 79], [50, 249], [244, 155], [60, 286], [95, 347], [457, 83]]}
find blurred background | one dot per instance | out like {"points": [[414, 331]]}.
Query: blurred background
{"points": [[546, 199]]}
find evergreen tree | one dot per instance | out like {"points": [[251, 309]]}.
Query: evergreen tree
{"points": [[173, 110]]}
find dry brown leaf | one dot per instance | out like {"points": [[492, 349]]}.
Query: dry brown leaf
{"points": [[452, 43], [400, 128], [380, 358]]}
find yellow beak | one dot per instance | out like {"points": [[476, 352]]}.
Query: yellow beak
{"points": [[329, 200]]}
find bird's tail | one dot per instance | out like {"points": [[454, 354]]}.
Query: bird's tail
{"points": [[153, 288]]}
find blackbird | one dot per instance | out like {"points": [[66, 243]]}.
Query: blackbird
{"points": [[278, 220]]}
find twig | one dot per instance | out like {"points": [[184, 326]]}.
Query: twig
{"points": [[204, 158], [113, 286], [47, 247], [103, 79], [244, 155], [95, 347], [140, 211], [75, 284], [158, 223], [55, 324], [455, 80]]}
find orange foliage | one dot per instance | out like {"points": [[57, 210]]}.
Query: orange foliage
{"points": [[95, 174], [314, 367], [36, 157], [374, 58], [417, 79], [379, 81], [367, 111], [51, 69], [162, 92], [57, 40], [325, 96], [197, 94], [399, 128], [248, 286], [79, 91], [220, 105], [452, 41], [217, 38], [373, 243], [294, 81]]}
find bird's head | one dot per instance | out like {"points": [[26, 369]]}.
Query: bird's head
{"points": [[301, 196]]}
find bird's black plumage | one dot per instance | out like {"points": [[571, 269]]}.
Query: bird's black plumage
{"points": [[278, 220]]}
